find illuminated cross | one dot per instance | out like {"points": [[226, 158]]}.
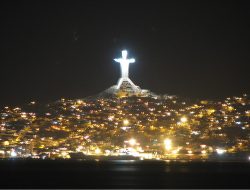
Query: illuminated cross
{"points": [[124, 62]]}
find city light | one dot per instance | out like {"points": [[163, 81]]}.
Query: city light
{"points": [[125, 122], [97, 151], [203, 146], [132, 142], [111, 118], [183, 119], [79, 101], [13, 153], [79, 148], [175, 151], [79, 126], [220, 151], [168, 144], [6, 143], [203, 152]]}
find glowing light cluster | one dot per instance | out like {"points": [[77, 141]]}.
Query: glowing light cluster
{"points": [[220, 151], [97, 151], [168, 144], [183, 119], [125, 122], [132, 142], [13, 153]]}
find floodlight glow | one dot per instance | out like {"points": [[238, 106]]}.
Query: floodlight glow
{"points": [[79, 148], [168, 144], [124, 128], [203, 152], [64, 154], [111, 118], [183, 119], [124, 54], [174, 151], [220, 151], [132, 142], [124, 63], [97, 151], [125, 122], [13, 153]]}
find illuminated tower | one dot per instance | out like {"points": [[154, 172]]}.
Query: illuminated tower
{"points": [[124, 83]]}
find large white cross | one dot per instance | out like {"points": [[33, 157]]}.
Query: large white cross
{"points": [[124, 63]]}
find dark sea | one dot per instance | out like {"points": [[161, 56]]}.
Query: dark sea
{"points": [[123, 174]]}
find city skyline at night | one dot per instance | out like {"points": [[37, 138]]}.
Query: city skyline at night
{"points": [[125, 120]]}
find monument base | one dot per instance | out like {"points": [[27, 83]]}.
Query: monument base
{"points": [[125, 88]]}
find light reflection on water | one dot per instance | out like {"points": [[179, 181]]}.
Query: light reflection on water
{"points": [[123, 174], [166, 166], [122, 161]]}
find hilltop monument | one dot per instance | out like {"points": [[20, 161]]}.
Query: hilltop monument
{"points": [[125, 86], [124, 82]]}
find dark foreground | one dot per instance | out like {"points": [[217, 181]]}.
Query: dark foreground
{"points": [[122, 174]]}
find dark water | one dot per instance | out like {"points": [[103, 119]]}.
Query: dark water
{"points": [[122, 174]]}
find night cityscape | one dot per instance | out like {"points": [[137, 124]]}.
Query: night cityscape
{"points": [[126, 120], [125, 94]]}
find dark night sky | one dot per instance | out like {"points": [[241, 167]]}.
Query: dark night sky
{"points": [[196, 49]]}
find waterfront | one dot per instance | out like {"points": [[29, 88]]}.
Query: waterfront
{"points": [[123, 174]]}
